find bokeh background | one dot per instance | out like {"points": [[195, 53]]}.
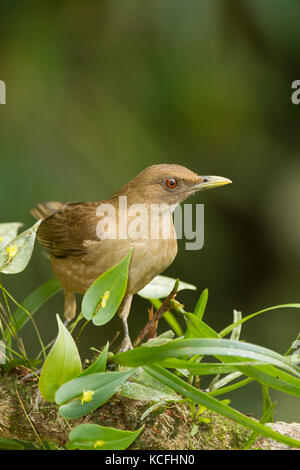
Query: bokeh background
{"points": [[98, 90]]}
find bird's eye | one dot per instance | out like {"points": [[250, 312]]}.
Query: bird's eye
{"points": [[171, 183]]}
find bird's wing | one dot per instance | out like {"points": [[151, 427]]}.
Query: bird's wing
{"points": [[45, 209], [64, 233]]}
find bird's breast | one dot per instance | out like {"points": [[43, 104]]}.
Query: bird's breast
{"points": [[148, 260]]}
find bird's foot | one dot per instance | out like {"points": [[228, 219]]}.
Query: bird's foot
{"points": [[125, 345], [37, 400], [32, 374]]}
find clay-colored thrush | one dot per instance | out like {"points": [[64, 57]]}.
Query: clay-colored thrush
{"points": [[80, 254]]}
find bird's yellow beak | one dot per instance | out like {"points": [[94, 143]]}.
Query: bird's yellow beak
{"points": [[209, 182]]}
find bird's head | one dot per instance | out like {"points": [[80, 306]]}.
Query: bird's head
{"points": [[168, 183]]}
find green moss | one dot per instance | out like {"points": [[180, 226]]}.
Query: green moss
{"points": [[170, 427]]}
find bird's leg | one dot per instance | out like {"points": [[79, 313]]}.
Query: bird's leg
{"points": [[37, 399], [70, 306], [123, 312]]}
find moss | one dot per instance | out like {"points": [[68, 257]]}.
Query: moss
{"points": [[171, 427]]}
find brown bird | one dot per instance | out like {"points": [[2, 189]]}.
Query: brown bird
{"points": [[80, 249]]}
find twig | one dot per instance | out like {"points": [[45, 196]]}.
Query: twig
{"points": [[158, 314], [27, 416], [5, 292], [114, 338]]}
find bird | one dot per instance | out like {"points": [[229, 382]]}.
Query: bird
{"points": [[80, 249]]}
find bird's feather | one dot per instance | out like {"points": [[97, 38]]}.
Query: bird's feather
{"points": [[64, 232]]}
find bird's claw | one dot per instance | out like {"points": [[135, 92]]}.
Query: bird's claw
{"points": [[125, 345]]}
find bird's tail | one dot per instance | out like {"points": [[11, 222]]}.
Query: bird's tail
{"points": [[45, 209]]}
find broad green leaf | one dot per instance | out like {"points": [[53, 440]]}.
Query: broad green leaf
{"points": [[95, 437], [161, 286], [204, 399], [103, 298], [141, 392], [31, 304], [97, 366], [8, 232], [16, 255], [203, 346], [84, 394], [11, 444], [143, 386], [201, 304], [61, 365]]}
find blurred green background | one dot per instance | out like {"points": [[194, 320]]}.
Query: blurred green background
{"points": [[96, 91]]}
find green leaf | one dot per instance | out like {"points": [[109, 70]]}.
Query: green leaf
{"points": [[204, 346], [273, 377], [267, 416], [230, 388], [217, 383], [16, 255], [201, 368], [11, 444], [171, 320], [161, 339], [8, 232], [95, 437], [208, 401], [143, 386], [197, 328], [61, 365], [155, 406], [229, 328], [161, 286], [266, 374], [97, 366], [102, 300], [31, 304], [13, 363], [236, 332], [99, 388], [201, 304]]}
